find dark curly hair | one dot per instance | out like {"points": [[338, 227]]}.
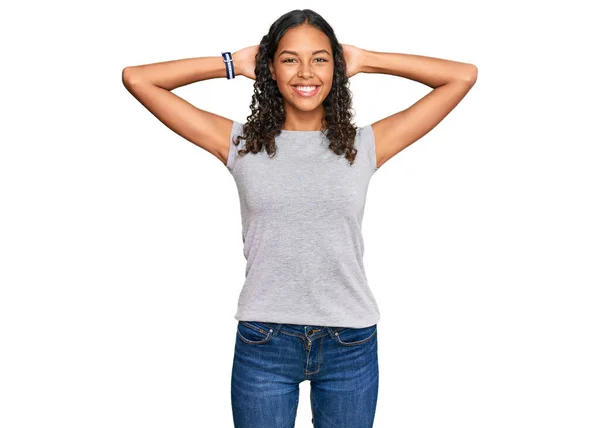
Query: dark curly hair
{"points": [[268, 113]]}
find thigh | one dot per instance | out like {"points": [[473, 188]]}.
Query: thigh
{"points": [[345, 392], [263, 393]]}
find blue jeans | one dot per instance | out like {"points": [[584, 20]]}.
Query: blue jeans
{"points": [[271, 360]]}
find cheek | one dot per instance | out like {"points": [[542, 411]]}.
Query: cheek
{"points": [[285, 73], [328, 85], [327, 77], [283, 80]]}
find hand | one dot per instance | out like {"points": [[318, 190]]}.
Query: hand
{"points": [[244, 61], [354, 58]]}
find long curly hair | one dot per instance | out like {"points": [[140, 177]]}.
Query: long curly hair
{"points": [[267, 107]]}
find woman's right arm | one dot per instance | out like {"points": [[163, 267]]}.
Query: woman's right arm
{"points": [[151, 85]]}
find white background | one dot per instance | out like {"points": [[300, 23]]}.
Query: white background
{"points": [[121, 252]]}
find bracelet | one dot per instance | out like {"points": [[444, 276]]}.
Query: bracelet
{"points": [[228, 60]]}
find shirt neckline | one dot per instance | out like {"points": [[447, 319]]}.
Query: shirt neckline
{"points": [[287, 131]]}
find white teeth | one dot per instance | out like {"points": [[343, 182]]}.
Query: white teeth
{"points": [[306, 88]]}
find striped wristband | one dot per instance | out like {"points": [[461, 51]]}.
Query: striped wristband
{"points": [[228, 60]]}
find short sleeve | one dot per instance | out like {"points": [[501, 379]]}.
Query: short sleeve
{"points": [[367, 142], [236, 129]]}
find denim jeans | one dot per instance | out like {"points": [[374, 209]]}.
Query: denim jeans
{"points": [[271, 360]]}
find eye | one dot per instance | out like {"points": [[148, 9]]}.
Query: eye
{"points": [[293, 59]]}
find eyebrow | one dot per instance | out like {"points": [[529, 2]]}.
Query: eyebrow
{"points": [[296, 53]]}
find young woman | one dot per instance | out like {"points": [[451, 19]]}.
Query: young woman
{"points": [[302, 170]]}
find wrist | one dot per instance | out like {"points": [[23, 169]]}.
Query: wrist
{"points": [[366, 61], [237, 64], [230, 70]]}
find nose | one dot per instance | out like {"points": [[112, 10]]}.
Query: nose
{"points": [[306, 71]]}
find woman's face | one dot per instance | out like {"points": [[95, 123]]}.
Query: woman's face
{"points": [[303, 58]]}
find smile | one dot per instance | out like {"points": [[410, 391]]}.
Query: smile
{"points": [[306, 91]]}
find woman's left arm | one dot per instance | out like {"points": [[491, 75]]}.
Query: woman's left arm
{"points": [[450, 80]]}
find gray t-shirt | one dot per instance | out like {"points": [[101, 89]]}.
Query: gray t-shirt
{"points": [[302, 239]]}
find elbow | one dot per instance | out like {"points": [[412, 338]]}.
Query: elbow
{"points": [[471, 76], [128, 76]]}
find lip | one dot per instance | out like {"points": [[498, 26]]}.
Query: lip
{"points": [[307, 95]]}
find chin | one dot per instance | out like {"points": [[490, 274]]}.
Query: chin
{"points": [[305, 108]]}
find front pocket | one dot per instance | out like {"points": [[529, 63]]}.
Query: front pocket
{"points": [[356, 336], [252, 334]]}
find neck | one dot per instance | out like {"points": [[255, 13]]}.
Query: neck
{"points": [[298, 120]]}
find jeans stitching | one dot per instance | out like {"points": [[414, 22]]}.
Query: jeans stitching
{"points": [[360, 342], [250, 342], [319, 358]]}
